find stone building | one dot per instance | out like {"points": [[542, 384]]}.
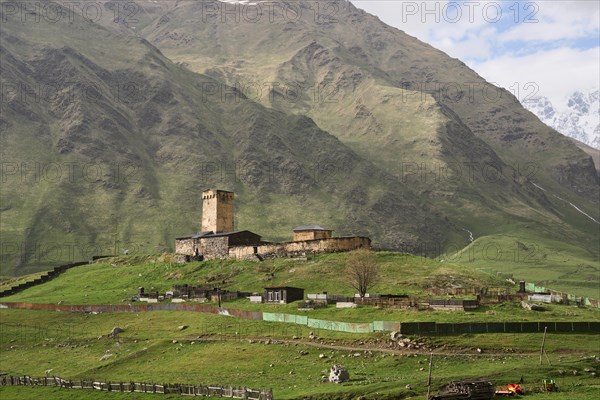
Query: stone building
{"points": [[211, 245], [218, 239], [217, 211], [217, 229], [311, 232]]}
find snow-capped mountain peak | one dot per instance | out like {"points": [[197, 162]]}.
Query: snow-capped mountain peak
{"points": [[577, 116]]}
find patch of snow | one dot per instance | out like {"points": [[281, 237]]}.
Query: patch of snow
{"points": [[471, 238], [571, 204], [538, 186], [583, 212]]}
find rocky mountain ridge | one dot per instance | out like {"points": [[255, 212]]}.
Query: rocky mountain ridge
{"points": [[578, 116], [344, 122]]}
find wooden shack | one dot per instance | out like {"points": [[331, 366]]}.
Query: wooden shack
{"points": [[282, 294]]}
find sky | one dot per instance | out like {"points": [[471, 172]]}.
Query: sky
{"points": [[549, 47]]}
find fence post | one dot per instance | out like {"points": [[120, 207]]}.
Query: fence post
{"points": [[177, 388]]}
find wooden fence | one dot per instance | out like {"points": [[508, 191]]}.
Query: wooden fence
{"points": [[388, 302], [234, 392]]}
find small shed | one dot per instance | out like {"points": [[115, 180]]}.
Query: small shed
{"points": [[282, 294], [311, 232]]}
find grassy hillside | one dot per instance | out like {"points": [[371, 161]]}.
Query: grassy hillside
{"points": [[152, 348], [550, 263], [278, 355], [115, 281], [153, 122]]}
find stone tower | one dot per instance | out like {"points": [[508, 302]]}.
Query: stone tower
{"points": [[217, 211]]}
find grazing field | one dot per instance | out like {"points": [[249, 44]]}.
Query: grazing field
{"points": [[115, 281], [153, 349], [550, 263], [200, 348]]}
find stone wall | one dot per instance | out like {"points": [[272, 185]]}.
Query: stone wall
{"points": [[304, 235], [218, 247], [300, 248], [217, 211], [311, 235], [214, 247], [185, 246], [242, 253]]}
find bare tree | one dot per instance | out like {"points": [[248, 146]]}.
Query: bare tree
{"points": [[362, 272]]}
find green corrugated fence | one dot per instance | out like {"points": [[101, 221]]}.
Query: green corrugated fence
{"points": [[290, 318], [428, 328], [351, 327], [319, 323]]}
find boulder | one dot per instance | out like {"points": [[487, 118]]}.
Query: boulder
{"points": [[338, 374], [115, 331]]}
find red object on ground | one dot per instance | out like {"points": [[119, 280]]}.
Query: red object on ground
{"points": [[515, 388], [510, 390]]}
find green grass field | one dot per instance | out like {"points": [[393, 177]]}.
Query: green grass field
{"points": [[115, 281], [554, 264], [216, 349], [35, 341]]}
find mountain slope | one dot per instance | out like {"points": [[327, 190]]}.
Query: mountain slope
{"points": [[592, 152], [308, 121], [344, 52], [125, 145], [447, 136]]}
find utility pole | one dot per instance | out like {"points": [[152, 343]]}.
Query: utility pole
{"points": [[542, 351], [429, 377], [116, 237], [218, 289]]}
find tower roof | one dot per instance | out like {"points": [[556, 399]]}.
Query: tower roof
{"points": [[216, 191]]}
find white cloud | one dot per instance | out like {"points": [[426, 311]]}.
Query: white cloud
{"points": [[474, 45], [465, 30], [558, 20], [510, 52], [557, 72], [432, 19]]}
